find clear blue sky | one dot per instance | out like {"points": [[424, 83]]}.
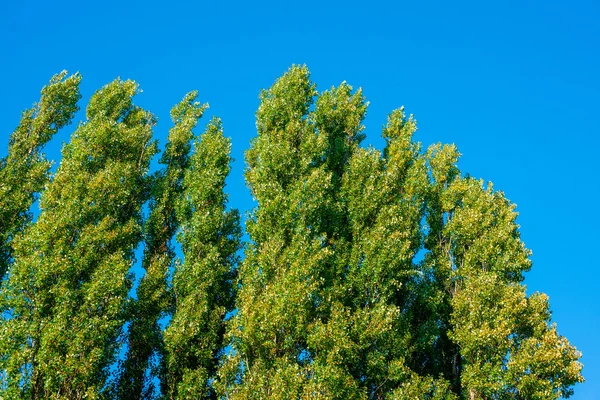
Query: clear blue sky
{"points": [[515, 84]]}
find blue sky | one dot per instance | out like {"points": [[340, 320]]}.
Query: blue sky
{"points": [[515, 84]]}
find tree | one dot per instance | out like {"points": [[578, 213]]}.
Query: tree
{"points": [[507, 349], [154, 299], [333, 238], [24, 171], [66, 293], [203, 282], [280, 271], [376, 275]]}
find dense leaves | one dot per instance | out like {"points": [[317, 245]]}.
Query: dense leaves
{"points": [[379, 275], [154, 297], [203, 283], [368, 274], [24, 172], [67, 289]]}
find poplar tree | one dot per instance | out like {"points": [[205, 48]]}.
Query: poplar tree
{"points": [[385, 198], [154, 298], [24, 171], [65, 296], [333, 238], [203, 282], [280, 271], [497, 341], [355, 283]]}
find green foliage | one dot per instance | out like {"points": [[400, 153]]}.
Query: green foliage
{"points": [[505, 341], [67, 289], [494, 341], [24, 171], [203, 283], [364, 268], [333, 239], [154, 299], [368, 275]]}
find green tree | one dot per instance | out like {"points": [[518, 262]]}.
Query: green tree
{"points": [[203, 282], [499, 339], [65, 296], [385, 197], [24, 171], [365, 269], [280, 271], [154, 299], [333, 238]]}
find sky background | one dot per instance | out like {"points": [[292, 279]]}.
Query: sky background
{"points": [[515, 84]]}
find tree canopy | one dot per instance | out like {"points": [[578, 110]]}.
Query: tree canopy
{"points": [[366, 274]]}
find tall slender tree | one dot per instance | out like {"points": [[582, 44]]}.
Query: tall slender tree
{"points": [[384, 196], [333, 239], [203, 282], [24, 171], [280, 270], [154, 299], [66, 292]]}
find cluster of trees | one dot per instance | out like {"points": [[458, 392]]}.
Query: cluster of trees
{"points": [[367, 275]]}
